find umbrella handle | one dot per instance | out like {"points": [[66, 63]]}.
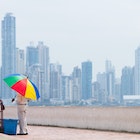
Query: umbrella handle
{"points": [[13, 99]]}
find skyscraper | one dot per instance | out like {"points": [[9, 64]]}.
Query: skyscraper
{"points": [[8, 50], [43, 52], [55, 81], [37, 65], [110, 77], [127, 81], [20, 61], [102, 91], [86, 80], [66, 88], [76, 84], [31, 56], [137, 71]]}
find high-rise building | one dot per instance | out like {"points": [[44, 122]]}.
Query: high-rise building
{"points": [[127, 81], [20, 61], [76, 84], [102, 80], [55, 81], [43, 52], [101, 93], [66, 89], [137, 71], [8, 51], [118, 94], [110, 77], [37, 67], [32, 65], [86, 80], [32, 56], [97, 93]]}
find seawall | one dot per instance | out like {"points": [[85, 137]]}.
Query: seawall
{"points": [[125, 119]]}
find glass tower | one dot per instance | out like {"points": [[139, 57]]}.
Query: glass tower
{"points": [[86, 80], [8, 51], [43, 51], [31, 56], [127, 81]]}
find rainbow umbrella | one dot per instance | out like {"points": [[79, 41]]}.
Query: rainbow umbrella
{"points": [[21, 84]]}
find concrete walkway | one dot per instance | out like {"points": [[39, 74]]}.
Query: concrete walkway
{"points": [[58, 133]]}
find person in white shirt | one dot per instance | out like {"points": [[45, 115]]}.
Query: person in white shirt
{"points": [[22, 103]]}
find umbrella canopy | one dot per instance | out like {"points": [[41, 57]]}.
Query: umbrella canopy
{"points": [[22, 85]]}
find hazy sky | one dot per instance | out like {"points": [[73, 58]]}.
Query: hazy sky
{"points": [[79, 30]]}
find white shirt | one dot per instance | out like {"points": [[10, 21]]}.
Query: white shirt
{"points": [[20, 100]]}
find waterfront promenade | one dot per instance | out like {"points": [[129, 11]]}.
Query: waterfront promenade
{"points": [[58, 133], [123, 119], [78, 123]]}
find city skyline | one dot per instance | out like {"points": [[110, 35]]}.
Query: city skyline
{"points": [[57, 88], [76, 31]]}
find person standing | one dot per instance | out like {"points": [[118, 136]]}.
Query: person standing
{"points": [[22, 103]]}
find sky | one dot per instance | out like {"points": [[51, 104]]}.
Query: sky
{"points": [[79, 30]]}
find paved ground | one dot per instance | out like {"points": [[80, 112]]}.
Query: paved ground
{"points": [[57, 133]]}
